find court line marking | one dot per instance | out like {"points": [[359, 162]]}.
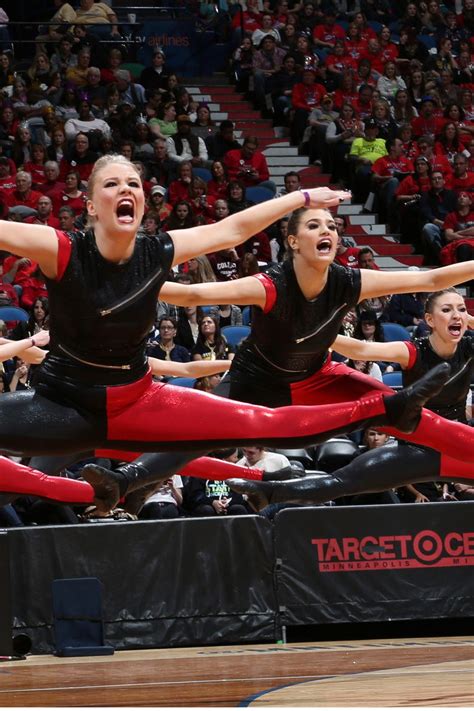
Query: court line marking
{"points": [[317, 678]]}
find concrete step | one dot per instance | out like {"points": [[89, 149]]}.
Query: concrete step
{"points": [[349, 210], [367, 230], [389, 250], [289, 161], [362, 219], [281, 150], [415, 260]]}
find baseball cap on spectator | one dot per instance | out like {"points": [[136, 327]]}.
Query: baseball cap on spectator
{"points": [[23, 211], [158, 190], [427, 98], [370, 123]]}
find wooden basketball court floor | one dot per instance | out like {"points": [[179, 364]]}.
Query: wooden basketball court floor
{"points": [[435, 671]]}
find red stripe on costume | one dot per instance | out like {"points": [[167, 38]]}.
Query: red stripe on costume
{"points": [[412, 354], [64, 253], [270, 291]]}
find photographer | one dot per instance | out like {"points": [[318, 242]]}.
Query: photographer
{"points": [[248, 165]]}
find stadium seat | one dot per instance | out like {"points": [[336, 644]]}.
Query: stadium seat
{"points": [[395, 332], [258, 194], [13, 313], [393, 380], [246, 315], [334, 454], [297, 455], [202, 173], [235, 334], [183, 382]]}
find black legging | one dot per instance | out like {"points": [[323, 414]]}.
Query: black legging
{"points": [[374, 471]]}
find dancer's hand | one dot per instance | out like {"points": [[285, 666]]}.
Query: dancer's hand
{"points": [[41, 338], [325, 197]]}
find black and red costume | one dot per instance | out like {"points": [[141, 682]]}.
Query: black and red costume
{"points": [[94, 389]]}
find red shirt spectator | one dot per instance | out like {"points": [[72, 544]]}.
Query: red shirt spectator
{"points": [[307, 93], [413, 186], [45, 214], [388, 166], [325, 35], [259, 245], [349, 258], [23, 194], [247, 164]]}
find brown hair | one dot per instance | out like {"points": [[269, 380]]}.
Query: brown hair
{"points": [[435, 295]]}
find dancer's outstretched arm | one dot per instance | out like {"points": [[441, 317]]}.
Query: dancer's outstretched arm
{"points": [[193, 369], [404, 282], [36, 242], [395, 351], [28, 348], [235, 229]]}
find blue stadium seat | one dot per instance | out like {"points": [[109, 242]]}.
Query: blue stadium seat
{"points": [[203, 173], [393, 380], [13, 313], [428, 41], [258, 194], [235, 334], [246, 315], [395, 332], [183, 382]]}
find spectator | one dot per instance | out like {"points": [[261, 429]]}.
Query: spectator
{"points": [[204, 125], [259, 458], [166, 348], [408, 196], [181, 217], [267, 61], [218, 186], [79, 157], [283, 82], [403, 112], [435, 205], [45, 214], [71, 196], [210, 344], [158, 204], [248, 165], [185, 104], [56, 150], [210, 497], [236, 197], [437, 162], [267, 29], [155, 76], [226, 315], [130, 92], [406, 309], [345, 255], [200, 270], [63, 58], [363, 154], [389, 83], [35, 166], [87, 124], [319, 120], [306, 95], [188, 324], [23, 194], [180, 189], [427, 123], [387, 172], [449, 142], [164, 124], [65, 16], [185, 146], [340, 135], [202, 204], [78, 73], [165, 502], [99, 17], [373, 439], [225, 263], [242, 64], [459, 233], [222, 141], [326, 34], [463, 179], [382, 116], [369, 327], [66, 217], [161, 168]]}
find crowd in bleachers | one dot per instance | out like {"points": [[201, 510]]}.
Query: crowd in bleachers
{"points": [[378, 93]]}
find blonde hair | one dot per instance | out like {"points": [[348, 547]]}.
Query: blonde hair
{"points": [[98, 166]]}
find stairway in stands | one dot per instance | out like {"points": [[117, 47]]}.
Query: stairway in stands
{"points": [[226, 103]]}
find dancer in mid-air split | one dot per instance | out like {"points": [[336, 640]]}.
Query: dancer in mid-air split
{"points": [[390, 467], [94, 389], [300, 305]]}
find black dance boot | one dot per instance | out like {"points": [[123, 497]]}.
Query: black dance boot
{"points": [[403, 410]]}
